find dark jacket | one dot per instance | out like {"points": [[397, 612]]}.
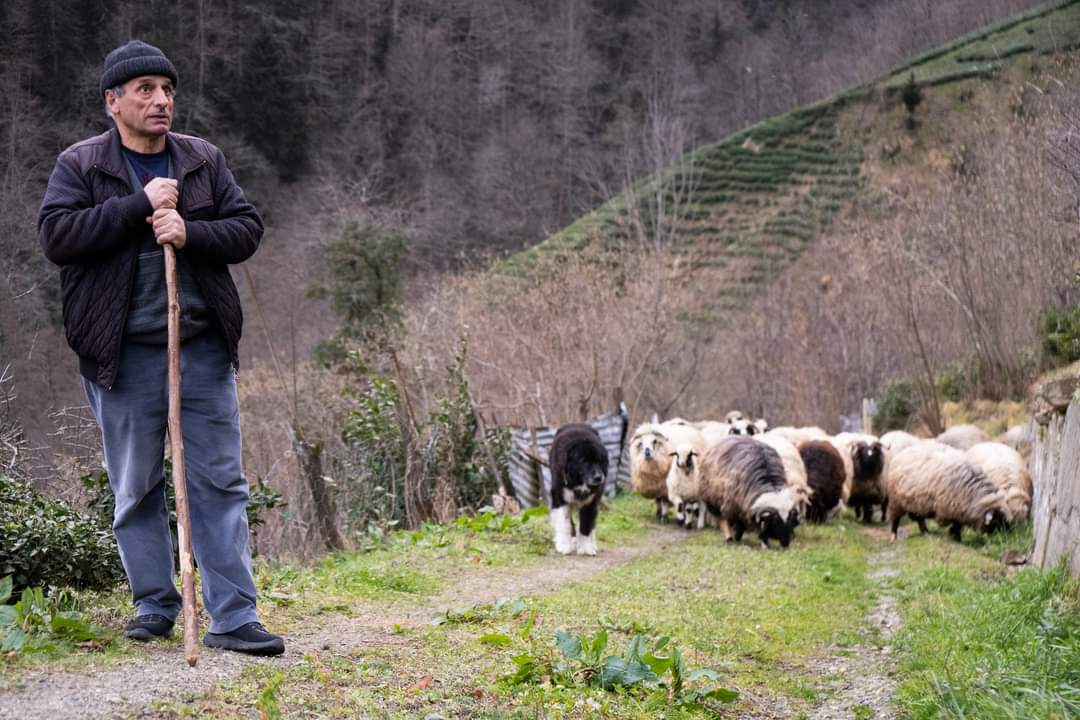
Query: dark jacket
{"points": [[90, 223]]}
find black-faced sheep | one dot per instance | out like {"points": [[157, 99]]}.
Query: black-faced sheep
{"points": [[963, 437], [825, 475], [742, 481], [579, 465], [1005, 467], [650, 460], [687, 446], [794, 469], [933, 480], [865, 486]]}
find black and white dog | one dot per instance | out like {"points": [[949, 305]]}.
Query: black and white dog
{"points": [[579, 465]]}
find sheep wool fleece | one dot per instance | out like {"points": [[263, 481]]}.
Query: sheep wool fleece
{"points": [[133, 416]]}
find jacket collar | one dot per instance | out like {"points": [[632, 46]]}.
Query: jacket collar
{"points": [[183, 155]]}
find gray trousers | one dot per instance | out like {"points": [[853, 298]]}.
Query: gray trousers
{"points": [[133, 417]]}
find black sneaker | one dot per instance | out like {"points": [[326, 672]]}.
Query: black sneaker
{"points": [[251, 638], [149, 627]]}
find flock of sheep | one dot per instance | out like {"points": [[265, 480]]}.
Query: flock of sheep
{"points": [[745, 476]]}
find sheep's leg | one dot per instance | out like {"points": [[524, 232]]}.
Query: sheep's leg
{"points": [[661, 511], [701, 516], [739, 529], [922, 523], [956, 531], [895, 522], [725, 527]]}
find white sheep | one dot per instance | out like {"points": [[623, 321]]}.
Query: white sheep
{"points": [[934, 480], [896, 440], [799, 435], [1005, 467], [650, 460], [963, 437], [687, 446]]}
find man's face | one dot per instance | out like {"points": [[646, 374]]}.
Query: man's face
{"points": [[146, 106]]}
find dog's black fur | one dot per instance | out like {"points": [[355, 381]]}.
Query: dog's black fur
{"points": [[579, 466]]}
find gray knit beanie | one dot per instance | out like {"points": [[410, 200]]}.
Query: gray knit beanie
{"points": [[132, 60]]}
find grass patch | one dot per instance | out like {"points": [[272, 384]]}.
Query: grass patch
{"points": [[979, 643]]}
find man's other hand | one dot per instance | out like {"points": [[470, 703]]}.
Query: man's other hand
{"points": [[162, 193], [169, 228]]}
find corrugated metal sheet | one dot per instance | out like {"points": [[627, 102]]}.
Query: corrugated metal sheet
{"points": [[532, 480]]}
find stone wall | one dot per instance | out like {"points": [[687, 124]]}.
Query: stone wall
{"points": [[1055, 469]]}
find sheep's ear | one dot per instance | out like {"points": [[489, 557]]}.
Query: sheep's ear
{"points": [[672, 454]]}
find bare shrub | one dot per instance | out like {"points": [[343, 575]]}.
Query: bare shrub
{"points": [[12, 440], [582, 331]]}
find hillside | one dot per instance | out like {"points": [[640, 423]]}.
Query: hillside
{"points": [[738, 212]]}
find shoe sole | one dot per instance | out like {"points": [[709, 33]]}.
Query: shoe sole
{"points": [[270, 647], [144, 635]]}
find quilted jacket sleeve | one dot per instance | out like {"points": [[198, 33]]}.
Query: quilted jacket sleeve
{"points": [[234, 235], [71, 229]]}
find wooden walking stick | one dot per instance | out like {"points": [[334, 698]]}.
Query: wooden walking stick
{"points": [[179, 479]]}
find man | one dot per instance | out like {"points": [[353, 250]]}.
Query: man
{"points": [[111, 203]]}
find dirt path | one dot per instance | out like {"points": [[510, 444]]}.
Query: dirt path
{"points": [[861, 677], [160, 674]]}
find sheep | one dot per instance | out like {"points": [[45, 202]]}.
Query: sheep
{"points": [[747, 427], [799, 435], [896, 440], [963, 437], [933, 480], [686, 448], [1005, 467], [1019, 438], [825, 476], [794, 469], [864, 465], [713, 431], [742, 481], [650, 460]]}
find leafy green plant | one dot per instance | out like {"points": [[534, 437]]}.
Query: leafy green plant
{"points": [[445, 451], [268, 698], [895, 407], [1059, 332], [45, 542], [482, 613], [37, 621], [487, 520], [648, 667]]}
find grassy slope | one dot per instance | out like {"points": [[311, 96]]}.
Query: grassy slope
{"points": [[758, 198]]}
